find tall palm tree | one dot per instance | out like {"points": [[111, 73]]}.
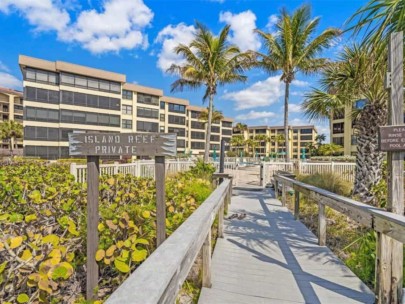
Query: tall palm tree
{"points": [[380, 18], [11, 130], [211, 61], [260, 138], [294, 48], [241, 127], [358, 74]]}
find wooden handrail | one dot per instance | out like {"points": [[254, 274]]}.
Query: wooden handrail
{"points": [[383, 222], [161, 276]]}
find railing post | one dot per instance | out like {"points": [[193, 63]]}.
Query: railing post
{"points": [[206, 261], [297, 206], [138, 168], [284, 195], [73, 170], [116, 167], [262, 184], [321, 225], [333, 167], [221, 220], [275, 187]]}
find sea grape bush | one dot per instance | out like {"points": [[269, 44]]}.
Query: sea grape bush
{"points": [[43, 229]]}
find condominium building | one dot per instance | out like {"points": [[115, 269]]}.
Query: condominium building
{"points": [[11, 108], [269, 140], [341, 128], [61, 98]]}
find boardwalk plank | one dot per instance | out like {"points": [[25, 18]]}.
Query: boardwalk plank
{"points": [[268, 257]]}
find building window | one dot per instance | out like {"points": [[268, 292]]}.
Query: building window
{"points": [[338, 128], [91, 101], [18, 108], [306, 137], [41, 95], [177, 108], [162, 129], [197, 125], [41, 133], [197, 135], [162, 117], [127, 124], [90, 83], [226, 132], [43, 152], [147, 126], [127, 109], [226, 124], [127, 94], [147, 112], [354, 140], [215, 138], [215, 129], [260, 131], [162, 105], [40, 76], [195, 114], [181, 143], [148, 99], [88, 118], [214, 147], [339, 114], [177, 120], [197, 145], [179, 131], [39, 114], [338, 141], [306, 131]]}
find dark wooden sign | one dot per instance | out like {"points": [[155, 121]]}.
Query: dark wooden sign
{"points": [[94, 145], [392, 138], [141, 144]]}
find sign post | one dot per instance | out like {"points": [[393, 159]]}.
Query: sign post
{"points": [[94, 145], [389, 270]]}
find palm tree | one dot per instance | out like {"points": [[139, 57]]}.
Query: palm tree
{"points": [[241, 127], [11, 130], [210, 62], [260, 138], [217, 116], [320, 138], [380, 18], [238, 141], [292, 49], [312, 149], [358, 74], [330, 149], [251, 144]]}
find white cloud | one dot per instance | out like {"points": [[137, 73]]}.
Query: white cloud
{"points": [[300, 83], [9, 81], [272, 20], [297, 93], [242, 29], [170, 37], [3, 67], [254, 115], [219, 1], [260, 94], [118, 25], [294, 108]]}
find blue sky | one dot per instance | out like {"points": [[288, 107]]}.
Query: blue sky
{"points": [[136, 38]]}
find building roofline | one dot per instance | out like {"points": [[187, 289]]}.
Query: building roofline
{"points": [[10, 91], [142, 89], [175, 100], [56, 66]]}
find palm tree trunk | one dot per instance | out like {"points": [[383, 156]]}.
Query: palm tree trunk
{"points": [[208, 134], [286, 133], [369, 160]]}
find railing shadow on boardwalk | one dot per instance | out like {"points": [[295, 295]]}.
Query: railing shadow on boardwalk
{"points": [[286, 238]]}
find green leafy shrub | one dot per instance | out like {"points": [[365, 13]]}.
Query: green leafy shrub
{"points": [[202, 170], [43, 229]]}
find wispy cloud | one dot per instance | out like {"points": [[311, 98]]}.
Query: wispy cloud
{"points": [[260, 94], [254, 115], [300, 83], [294, 108]]}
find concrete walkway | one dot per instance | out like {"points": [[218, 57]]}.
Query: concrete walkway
{"points": [[268, 257]]}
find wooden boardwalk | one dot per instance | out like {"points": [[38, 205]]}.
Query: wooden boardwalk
{"points": [[268, 257]]}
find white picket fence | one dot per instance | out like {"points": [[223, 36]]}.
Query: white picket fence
{"points": [[143, 168], [345, 170]]}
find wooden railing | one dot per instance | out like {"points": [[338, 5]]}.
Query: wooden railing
{"points": [[161, 276], [387, 225]]}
